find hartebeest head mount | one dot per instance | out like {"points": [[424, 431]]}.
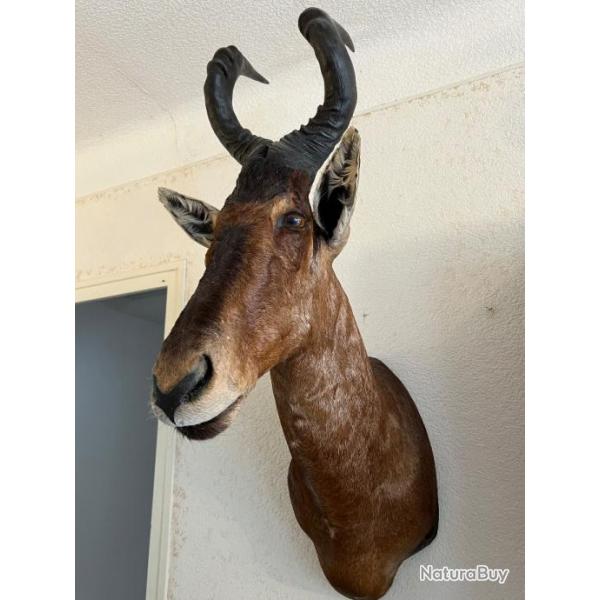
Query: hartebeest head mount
{"points": [[269, 253]]}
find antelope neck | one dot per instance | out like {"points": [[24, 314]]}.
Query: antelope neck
{"points": [[326, 393]]}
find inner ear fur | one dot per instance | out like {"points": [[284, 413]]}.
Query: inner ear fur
{"points": [[335, 193], [195, 217]]}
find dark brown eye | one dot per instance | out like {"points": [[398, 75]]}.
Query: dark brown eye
{"points": [[292, 220]]}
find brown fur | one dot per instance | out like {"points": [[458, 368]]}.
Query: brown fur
{"points": [[362, 476]]}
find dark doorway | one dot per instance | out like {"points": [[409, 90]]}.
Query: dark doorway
{"points": [[115, 441]]}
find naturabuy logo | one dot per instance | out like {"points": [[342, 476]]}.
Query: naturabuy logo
{"points": [[449, 574]]}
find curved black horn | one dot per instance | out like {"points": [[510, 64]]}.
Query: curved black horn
{"points": [[308, 147], [313, 142], [222, 73]]}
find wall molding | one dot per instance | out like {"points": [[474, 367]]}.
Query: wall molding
{"points": [[161, 177]]}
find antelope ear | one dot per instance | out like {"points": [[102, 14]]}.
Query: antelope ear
{"points": [[197, 218], [335, 192]]}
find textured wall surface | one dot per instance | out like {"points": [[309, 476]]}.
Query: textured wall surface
{"points": [[141, 66], [434, 272]]}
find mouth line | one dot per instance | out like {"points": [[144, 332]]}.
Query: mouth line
{"points": [[212, 427]]}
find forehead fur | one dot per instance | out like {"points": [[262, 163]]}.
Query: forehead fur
{"points": [[261, 180]]}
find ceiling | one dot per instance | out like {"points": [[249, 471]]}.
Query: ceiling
{"points": [[140, 68]]}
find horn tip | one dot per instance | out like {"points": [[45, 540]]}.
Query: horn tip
{"points": [[309, 15], [249, 71]]}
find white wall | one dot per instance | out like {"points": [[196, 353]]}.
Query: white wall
{"points": [[434, 272]]}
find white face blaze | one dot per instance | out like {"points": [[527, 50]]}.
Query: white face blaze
{"points": [[195, 413], [206, 408]]}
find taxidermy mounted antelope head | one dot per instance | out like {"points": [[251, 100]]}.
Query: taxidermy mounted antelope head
{"points": [[362, 476]]}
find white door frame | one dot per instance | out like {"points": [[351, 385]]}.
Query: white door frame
{"points": [[171, 277]]}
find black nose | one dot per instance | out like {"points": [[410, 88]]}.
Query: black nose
{"points": [[185, 391]]}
